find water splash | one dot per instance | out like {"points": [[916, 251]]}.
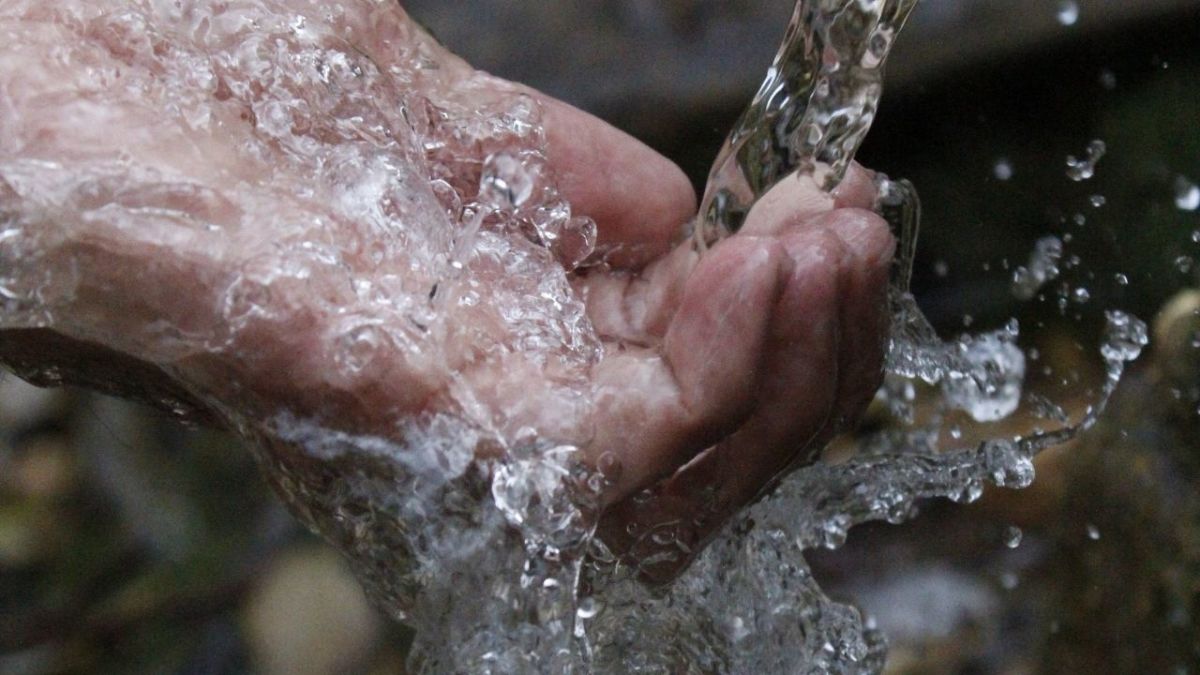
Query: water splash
{"points": [[1081, 169], [1043, 267], [464, 523]]}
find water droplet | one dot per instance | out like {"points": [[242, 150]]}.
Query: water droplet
{"points": [[359, 346], [1013, 536], [663, 537], [989, 386], [588, 608], [941, 269], [1184, 263], [610, 467], [1041, 268], [1187, 194], [1098, 201], [1009, 581], [1003, 170], [1093, 532], [738, 629], [507, 181], [1068, 12], [1121, 279], [1124, 337], [1083, 169], [970, 493], [1108, 79], [1081, 295]]}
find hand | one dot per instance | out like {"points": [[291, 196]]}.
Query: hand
{"points": [[230, 211]]}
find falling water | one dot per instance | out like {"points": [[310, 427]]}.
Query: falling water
{"points": [[812, 111]]}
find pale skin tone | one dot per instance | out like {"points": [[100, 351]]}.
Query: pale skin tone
{"points": [[720, 371]]}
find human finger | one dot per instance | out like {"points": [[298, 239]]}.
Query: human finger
{"points": [[656, 408]]}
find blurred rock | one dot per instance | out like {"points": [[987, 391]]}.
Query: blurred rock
{"points": [[1177, 337], [308, 616]]}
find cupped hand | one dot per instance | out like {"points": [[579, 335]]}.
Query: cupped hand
{"points": [[251, 207]]}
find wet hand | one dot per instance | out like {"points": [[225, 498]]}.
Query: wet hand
{"points": [[233, 200]]}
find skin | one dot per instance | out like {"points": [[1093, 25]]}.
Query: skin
{"points": [[719, 372]]}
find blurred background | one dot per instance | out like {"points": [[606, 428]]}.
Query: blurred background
{"points": [[132, 544]]}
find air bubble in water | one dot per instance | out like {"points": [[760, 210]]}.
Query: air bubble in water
{"points": [[507, 181], [1084, 169], [1068, 12], [1187, 194], [1093, 532]]}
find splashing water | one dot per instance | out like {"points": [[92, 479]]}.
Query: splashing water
{"points": [[1081, 169], [1041, 269], [464, 524]]}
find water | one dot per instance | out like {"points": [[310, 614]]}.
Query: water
{"points": [[1043, 267], [1081, 169], [1003, 170], [1013, 536], [473, 520], [812, 111], [1068, 12], [1187, 194]]}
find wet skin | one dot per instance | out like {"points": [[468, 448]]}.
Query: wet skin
{"points": [[720, 371]]}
